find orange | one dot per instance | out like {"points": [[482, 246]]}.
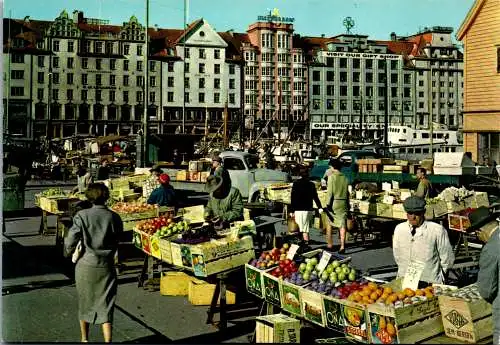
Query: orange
{"points": [[429, 295], [388, 290], [374, 295], [409, 292], [388, 301], [358, 298], [351, 298], [382, 323], [366, 299], [372, 286], [384, 295], [363, 293], [380, 292], [401, 296], [419, 292], [371, 301], [367, 291], [391, 330]]}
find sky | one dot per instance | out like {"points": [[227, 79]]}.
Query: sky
{"points": [[376, 18]]}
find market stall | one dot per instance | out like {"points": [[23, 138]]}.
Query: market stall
{"points": [[327, 291]]}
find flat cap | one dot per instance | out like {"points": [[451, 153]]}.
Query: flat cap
{"points": [[414, 204]]}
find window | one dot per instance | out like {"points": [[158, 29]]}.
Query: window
{"points": [[421, 105], [139, 65], [381, 105], [186, 67], [381, 64], [343, 63], [232, 84], [126, 49], [40, 93], [139, 96], [355, 91], [329, 104], [98, 47], [69, 78], [171, 66], [343, 104], [125, 80], [84, 79], [14, 74], [394, 64], [98, 79], [55, 94], [170, 82], [69, 94], [55, 62], [216, 68], [201, 68], [343, 77], [381, 91], [98, 95], [355, 77], [201, 83], [201, 97], [407, 78], [355, 63], [186, 82], [421, 94], [41, 61], [216, 97], [152, 81], [316, 76], [98, 64], [216, 83], [420, 83], [231, 69], [70, 62], [152, 97], [125, 96], [369, 77], [152, 66], [85, 63], [369, 91], [170, 96], [369, 64], [316, 90], [71, 46], [394, 78], [216, 54], [55, 78], [201, 53], [330, 76], [55, 46], [17, 91], [394, 92], [330, 90], [139, 50], [112, 95], [112, 64], [343, 90], [232, 98], [233, 164], [109, 48], [139, 81], [17, 58], [112, 80]]}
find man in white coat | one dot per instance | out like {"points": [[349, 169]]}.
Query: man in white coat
{"points": [[418, 240]]}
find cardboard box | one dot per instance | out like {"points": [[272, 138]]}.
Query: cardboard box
{"points": [[253, 278], [194, 176], [176, 283], [204, 175], [271, 286], [466, 321], [312, 306], [182, 175], [277, 328], [482, 199], [332, 309], [195, 166], [366, 207], [201, 293], [455, 206], [291, 298], [458, 223], [384, 210]]}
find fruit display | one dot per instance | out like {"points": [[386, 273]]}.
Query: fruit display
{"points": [[132, 207], [454, 194], [372, 293], [275, 257], [53, 192], [332, 276], [198, 235], [469, 293], [162, 226]]}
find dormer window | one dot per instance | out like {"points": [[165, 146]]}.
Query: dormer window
{"points": [[202, 34]]}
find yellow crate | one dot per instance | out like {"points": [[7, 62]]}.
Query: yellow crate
{"points": [[182, 175], [200, 293], [175, 283]]}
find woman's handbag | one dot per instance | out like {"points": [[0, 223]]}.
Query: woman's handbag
{"points": [[78, 253]]}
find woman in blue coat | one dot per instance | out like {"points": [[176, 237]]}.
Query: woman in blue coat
{"points": [[95, 276]]}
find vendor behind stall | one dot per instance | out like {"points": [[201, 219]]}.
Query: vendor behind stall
{"points": [[84, 179], [103, 171], [163, 195], [424, 189], [418, 240], [225, 204]]}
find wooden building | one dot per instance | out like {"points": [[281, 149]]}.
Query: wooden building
{"points": [[480, 33]]}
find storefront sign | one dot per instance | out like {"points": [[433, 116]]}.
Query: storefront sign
{"points": [[274, 16], [362, 55], [336, 125]]}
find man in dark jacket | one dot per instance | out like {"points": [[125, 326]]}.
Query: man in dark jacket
{"points": [[219, 170], [163, 195], [302, 197], [103, 171], [488, 279], [225, 204]]}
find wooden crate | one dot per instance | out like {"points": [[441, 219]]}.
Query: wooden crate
{"points": [[181, 175], [181, 255], [363, 168], [482, 199], [466, 321], [332, 309], [384, 210], [200, 293], [398, 211], [366, 207], [277, 328], [291, 298], [194, 176], [165, 250], [455, 206], [175, 283], [409, 324], [204, 175], [271, 287], [393, 169], [440, 208], [253, 280], [429, 212], [458, 222], [152, 213]]}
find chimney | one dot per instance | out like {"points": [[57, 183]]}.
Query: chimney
{"points": [[393, 36], [322, 35], [77, 16]]}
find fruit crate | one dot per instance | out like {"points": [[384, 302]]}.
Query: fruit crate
{"points": [[311, 304], [291, 298], [253, 278], [56, 204], [466, 320], [181, 255], [277, 328], [165, 250], [458, 222], [271, 287], [221, 255], [405, 325], [152, 213]]}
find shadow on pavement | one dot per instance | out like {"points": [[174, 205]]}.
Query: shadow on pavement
{"points": [[240, 328], [157, 337], [52, 284]]}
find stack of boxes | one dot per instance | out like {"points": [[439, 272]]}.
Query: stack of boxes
{"points": [[198, 171], [369, 165]]}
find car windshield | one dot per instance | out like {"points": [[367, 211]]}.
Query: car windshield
{"points": [[252, 161]]}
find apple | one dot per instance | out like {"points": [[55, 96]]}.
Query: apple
{"points": [[343, 265], [302, 267], [282, 256], [341, 276], [346, 270], [282, 250], [268, 257], [306, 276], [338, 270], [352, 276], [333, 277], [324, 276], [286, 246], [288, 262], [329, 269], [335, 264], [314, 261]]}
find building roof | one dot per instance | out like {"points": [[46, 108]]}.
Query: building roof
{"points": [[399, 47], [470, 18]]}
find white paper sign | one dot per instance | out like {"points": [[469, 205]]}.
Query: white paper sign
{"points": [[292, 251], [413, 274], [386, 186], [359, 195], [388, 199], [325, 259], [395, 185]]}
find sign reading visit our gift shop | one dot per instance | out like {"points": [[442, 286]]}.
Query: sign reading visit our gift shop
{"points": [[274, 16]]}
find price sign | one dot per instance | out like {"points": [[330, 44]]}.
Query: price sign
{"points": [[413, 274], [386, 187], [395, 185], [388, 199], [291, 252], [325, 259]]}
